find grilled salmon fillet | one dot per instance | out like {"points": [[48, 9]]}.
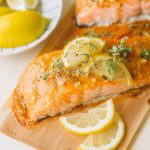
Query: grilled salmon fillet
{"points": [[106, 12], [40, 94]]}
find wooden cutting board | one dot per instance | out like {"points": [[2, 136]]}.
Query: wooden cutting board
{"points": [[49, 134]]}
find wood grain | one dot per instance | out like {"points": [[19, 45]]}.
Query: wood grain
{"points": [[49, 134]]}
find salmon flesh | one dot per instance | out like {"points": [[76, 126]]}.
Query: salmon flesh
{"points": [[106, 12]]}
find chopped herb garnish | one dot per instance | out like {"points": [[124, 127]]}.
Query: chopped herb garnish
{"points": [[111, 68], [92, 46], [79, 73], [58, 64], [91, 33], [44, 76], [120, 51], [145, 54]]}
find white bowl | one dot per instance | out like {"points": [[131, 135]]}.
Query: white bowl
{"points": [[48, 8]]}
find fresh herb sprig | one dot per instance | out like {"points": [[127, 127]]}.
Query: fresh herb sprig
{"points": [[145, 54], [121, 51]]}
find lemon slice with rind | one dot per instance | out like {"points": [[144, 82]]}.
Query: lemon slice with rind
{"points": [[107, 139], [5, 11], [116, 71], [23, 4], [93, 121], [80, 50]]}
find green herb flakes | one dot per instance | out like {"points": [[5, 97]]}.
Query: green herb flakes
{"points": [[145, 54], [120, 52], [91, 33], [58, 64], [111, 68], [44, 76]]}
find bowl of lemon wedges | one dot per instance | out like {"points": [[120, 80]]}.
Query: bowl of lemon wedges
{"points": [[26, 23]]}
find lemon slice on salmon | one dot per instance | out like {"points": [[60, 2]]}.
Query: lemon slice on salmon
{"points": [[106, 68], [81, 50], [107, 139], [93, 121]]}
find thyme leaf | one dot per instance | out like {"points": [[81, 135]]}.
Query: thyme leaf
{"points": [[111, 68], [79, 73], [145, 54], [92, 46], [58, 64], [44, 76], [91, 33], [120, 52]]}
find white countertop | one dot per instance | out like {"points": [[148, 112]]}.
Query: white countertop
{"points": [[11, 68]]}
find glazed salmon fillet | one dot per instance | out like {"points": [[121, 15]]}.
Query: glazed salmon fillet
{"points": [[145, 6], [106, 12], [43, 92]]}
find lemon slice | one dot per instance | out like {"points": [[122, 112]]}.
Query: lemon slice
{"points": [[22, 4], [93, 121], [80, 50], [107, 139], [31, 4], [116, 71]]}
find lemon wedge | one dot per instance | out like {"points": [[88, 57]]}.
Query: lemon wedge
{"points": [[107, 139], [1, 1], [81, 50], [21, 27], [93, 121], [22, 4], [116, 71], [5, 10]]}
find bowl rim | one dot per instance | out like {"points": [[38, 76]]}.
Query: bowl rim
{"points": [[20, 49]]}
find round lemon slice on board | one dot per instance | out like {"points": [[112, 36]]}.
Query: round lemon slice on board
{"points": [[107, 139], [116, 71], [80, 50], [94, 120], [22, 4]]}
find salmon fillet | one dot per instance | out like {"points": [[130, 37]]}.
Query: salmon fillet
{"points": [[38, 96], [145, 6], [106, 12], [129, 9], [88, 13]]}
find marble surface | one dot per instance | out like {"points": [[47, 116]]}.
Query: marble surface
{"points": [[11, 68]]}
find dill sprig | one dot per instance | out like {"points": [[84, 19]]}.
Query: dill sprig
{"points": [[120, 52]]}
